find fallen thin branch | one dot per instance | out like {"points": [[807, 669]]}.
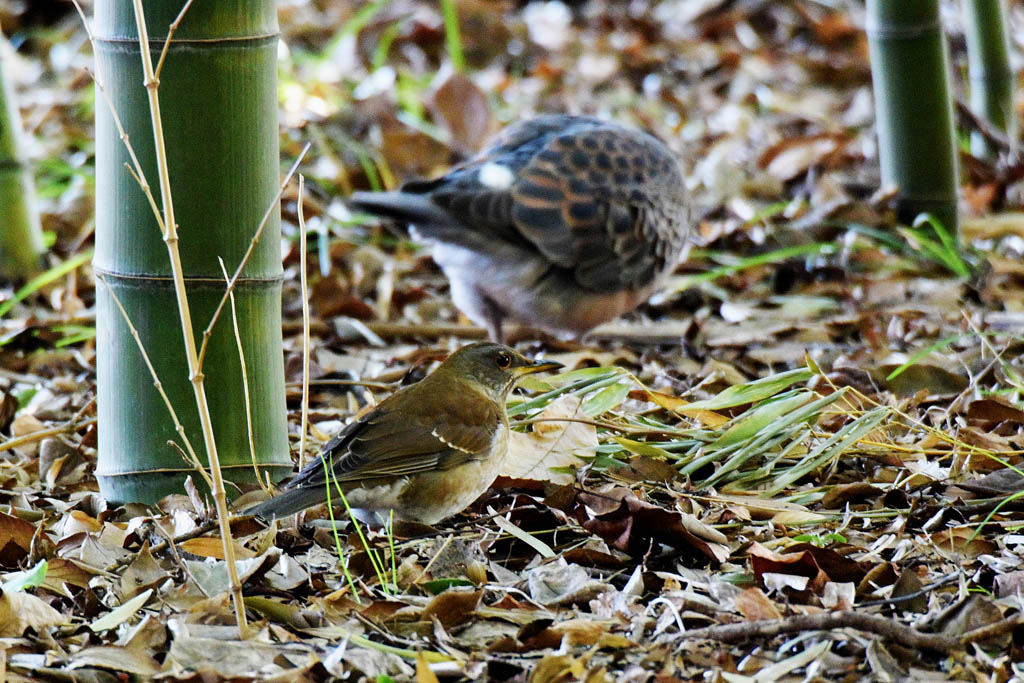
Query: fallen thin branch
{"points": [[925, 591], [617, 331], [265, 485], [168, 541], [983, 126], [1010, 166], [869, 623], [66, 428], [391, 331]]}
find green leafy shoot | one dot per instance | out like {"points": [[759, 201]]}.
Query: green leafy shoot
{"points": [[932, 242], [30, 578], [40, 281], [74, 334], [54, 176], [751, 392], [452, 37], [684, 282]]}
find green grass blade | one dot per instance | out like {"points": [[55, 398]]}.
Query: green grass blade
{"points": [[752, 392], [926, 351], [947, 240], [580, 382], [387, 38], [40, 281], [452, 37], [643, 448], [776, 256], [786, 428], [760, 418], [831, 448], [362, 18], [604, 400]]}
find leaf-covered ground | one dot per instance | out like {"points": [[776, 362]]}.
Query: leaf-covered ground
{"points": [[795, 463]]}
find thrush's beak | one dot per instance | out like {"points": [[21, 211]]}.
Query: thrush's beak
{"points": [[538, 366]]}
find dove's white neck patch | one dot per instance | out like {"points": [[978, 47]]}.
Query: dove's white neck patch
{"points": [[496, 176]]}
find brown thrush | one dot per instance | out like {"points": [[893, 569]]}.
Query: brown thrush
{"points": [[427, 451]]}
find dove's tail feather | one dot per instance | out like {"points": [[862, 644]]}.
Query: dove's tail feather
{"points": [[404, 207]]}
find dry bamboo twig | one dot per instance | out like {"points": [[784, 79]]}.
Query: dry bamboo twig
{"points": [[189, 453], [208, 332], [245, 386], [170, 34], [66, 428], [983, 126], [304, 293], [195, 368], [869, 623], [136, 166]]}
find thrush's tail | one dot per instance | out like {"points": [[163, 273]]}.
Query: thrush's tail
{"points": [[288, 502], [404, 207]]}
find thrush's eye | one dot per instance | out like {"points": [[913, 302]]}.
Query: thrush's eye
{"points": [[503, 361]]}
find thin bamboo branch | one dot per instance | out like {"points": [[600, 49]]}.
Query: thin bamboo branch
{"points": [[245, 258], [190, 453], [66, 428], [170, 35], [136, 168], [304, 423], [245, 383]]}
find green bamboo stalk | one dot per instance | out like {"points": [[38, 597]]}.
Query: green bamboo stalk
{"points": [[913, 109], [988, 68], [21, 239], [217, 95]]}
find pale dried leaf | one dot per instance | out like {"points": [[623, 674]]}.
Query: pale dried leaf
{"points": [[551, 445]]}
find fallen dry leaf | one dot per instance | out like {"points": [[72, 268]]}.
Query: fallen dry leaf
{"points": [[551, 443], [753, 604], [20, 611], [459, 105]]}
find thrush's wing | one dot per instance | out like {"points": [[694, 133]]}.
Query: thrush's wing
{"points": [[388, 443]]}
